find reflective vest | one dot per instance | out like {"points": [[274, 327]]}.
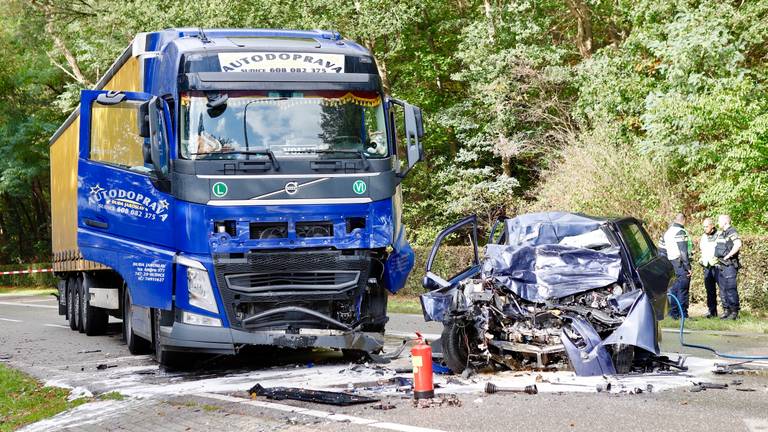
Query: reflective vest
{"points": [[707, 246], [675, 234]]}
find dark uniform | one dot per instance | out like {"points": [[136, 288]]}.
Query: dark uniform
{"points": [[727, 270], [679, 246]]}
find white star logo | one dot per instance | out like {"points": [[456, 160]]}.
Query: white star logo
{"points": [[162, 205], [96, 190]]}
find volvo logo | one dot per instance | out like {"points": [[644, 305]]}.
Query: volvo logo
{"points": [[291, 187]]}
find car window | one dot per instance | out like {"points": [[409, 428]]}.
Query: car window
{"points": [[640, 248]]}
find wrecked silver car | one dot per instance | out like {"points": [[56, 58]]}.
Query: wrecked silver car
{"points": [[553, 291]]}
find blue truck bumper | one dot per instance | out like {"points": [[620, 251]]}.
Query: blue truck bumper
{"points": [[221, 340]]}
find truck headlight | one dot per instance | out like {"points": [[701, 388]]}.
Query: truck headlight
{"points": [[200, 290], [200, 320]]}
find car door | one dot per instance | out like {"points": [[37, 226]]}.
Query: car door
{"points": [[125, 218], [650, 270], [463, 231]]}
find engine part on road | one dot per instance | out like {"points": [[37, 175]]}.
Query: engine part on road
{"points": [[315, 396], [492, 388]]}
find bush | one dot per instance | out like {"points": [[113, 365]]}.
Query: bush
{"points": [[602, 179]]}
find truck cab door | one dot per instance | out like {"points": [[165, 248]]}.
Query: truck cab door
{"points": [[125, 218]]}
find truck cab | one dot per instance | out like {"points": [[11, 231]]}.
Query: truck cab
{"points": [[240, 187]]}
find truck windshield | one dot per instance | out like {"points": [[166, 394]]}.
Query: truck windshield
{"points": [[290, 124]]}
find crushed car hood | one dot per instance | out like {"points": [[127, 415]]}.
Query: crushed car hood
{"points": [[548, 256]]}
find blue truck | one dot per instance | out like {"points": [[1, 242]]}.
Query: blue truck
{"points": [[225, 188]]}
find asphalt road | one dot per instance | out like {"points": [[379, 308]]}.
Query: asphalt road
{"points": [[35, 339]]}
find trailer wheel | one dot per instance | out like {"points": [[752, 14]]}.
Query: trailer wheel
{"points": [[79, 303], [71, 303], [136, 344], [457, 338], [94, 319], [167, 359]]}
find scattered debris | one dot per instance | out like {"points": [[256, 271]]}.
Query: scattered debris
{"points": [[5, 357], [492, 388], [103, 366], [450, 400], [604, 387], [384, 406], [305, 395], [745, 389], [89, 351], [697, 387]]}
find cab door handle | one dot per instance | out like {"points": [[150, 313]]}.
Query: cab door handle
{"points": [[96, 223]]}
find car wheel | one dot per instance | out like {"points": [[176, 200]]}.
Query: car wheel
{"points": [[136, 344], [457, 338], [623, 357], [71, 303], [167, 359]]}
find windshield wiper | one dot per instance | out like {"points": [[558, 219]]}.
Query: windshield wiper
{"points": [[268, 152], [360, 152]]}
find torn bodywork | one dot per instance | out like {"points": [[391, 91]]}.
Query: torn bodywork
{"points": [[556, 290]]}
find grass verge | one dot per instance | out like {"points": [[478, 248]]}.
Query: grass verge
{"points": [[11, 290], [23, 400], [404, 305], [747, 322]]}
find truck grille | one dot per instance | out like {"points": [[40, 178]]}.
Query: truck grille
{"points": [[330, 282], [296, 281]]}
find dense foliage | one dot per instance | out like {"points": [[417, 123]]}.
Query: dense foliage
{"points": [[604, 106]]}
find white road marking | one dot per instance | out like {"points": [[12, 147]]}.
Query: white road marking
{"points": [[56, 325], [320, 414], [53, 299], [10, 320], [756, 425], [28, 305]]}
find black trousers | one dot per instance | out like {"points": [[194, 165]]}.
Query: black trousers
{"points": [[680, 289], [710, 284], [729, 294]]}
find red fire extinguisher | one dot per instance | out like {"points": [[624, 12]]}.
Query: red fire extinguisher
{"points": [[421, 356]]}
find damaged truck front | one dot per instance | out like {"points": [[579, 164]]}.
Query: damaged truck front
{"points": [[554, 290]]}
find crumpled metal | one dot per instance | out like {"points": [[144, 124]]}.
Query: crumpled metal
{"points": [[551, 271]]}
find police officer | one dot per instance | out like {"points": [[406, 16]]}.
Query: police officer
{"points": [[727, 247], [679, 247], [709, 263]]}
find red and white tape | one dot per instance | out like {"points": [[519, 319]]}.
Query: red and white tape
{"points": [[30, 271]]}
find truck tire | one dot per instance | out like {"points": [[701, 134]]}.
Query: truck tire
{"points": [[94, 319], [623, 357], [71, 302], [78, 288], [136, 344], [165, 358], [456, 339]]}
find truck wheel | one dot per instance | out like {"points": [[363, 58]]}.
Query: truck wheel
{"points": [[79, 303], [167, 359], [136, 344], [95, 319], [71, 303], [457, 338]]}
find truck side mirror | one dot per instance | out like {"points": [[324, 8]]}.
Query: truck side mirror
{"points": [[156, 152], [414, 131], [143, 119]]}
